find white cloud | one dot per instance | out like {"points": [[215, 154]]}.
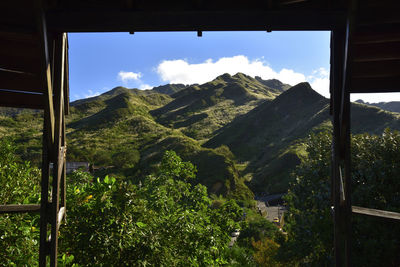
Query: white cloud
{"points": [[319, 81], [145, 86], [126, 76], [91, 94], [181, 71]]}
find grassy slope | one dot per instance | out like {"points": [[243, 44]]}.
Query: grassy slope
{"points": [[270, 136], [200, 110], [262, 126], [122, 122]]}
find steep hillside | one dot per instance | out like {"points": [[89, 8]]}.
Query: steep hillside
{"points": [[115, 130], [200, 110], [268, 139]]}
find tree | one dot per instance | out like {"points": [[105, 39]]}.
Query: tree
{"points": [[375, 173], [163, 221], [19, 233]]}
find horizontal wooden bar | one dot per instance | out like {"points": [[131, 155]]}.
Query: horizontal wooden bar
{"points": [[387, 68], [21, 100], [375, 85], [20, 81], [376, 213], [19, 208], [226, 20]]}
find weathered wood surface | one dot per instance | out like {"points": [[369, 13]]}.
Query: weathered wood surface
{"points": [[376, 213], [19, 208]]}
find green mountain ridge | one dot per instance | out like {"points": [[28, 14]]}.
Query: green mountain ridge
{"points": [[270, 137], [393, 106], [238, 130], [200, 110]]}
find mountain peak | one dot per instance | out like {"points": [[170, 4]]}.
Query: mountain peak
{"points": [[301, 92], [226, 77], [116, 91]]}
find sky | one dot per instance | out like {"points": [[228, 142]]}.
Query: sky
{"points": [[102, 61]]}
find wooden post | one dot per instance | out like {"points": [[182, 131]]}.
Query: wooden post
{"points": [[341, 180], [58, 148], [341, 165], [53, 73]]}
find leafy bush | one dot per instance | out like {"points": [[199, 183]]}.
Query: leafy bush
{"points": [[375, 173], [19, 233], [165, 221]]}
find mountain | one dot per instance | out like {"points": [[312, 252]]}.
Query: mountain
{"points": [[269, 139], [115, 130], [169, 89], [239, 131], [274, 84], [200, 110], [393, 106]]}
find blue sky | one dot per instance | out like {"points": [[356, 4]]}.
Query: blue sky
{"points": [[102, 61]]}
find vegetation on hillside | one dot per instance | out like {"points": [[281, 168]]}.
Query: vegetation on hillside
{"points": [[162, 221]]}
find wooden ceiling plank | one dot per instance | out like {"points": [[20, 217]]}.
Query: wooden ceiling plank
{"points": [[376, 37], [20, 82], [377, 52], [19, 63], [18, 48], [127, 21], [21, 100], [26, 38], [375, 85], [387, 68]]}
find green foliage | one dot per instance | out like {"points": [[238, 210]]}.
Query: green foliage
{"points": [[258, 229], [164, 221], [19, 183], [375, 171]]}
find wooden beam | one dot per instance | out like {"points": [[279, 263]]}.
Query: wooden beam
{"points": [[377, 52], [378, 16], [66, 77], [19, 208], [46, 77], [137, 21], [289, 2], [58, 148], [376, 213], [375, 85], [26, 38], [377, 69], [21, 100], [18, 48], [20, 81], [376, 37], [20, 63]]}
